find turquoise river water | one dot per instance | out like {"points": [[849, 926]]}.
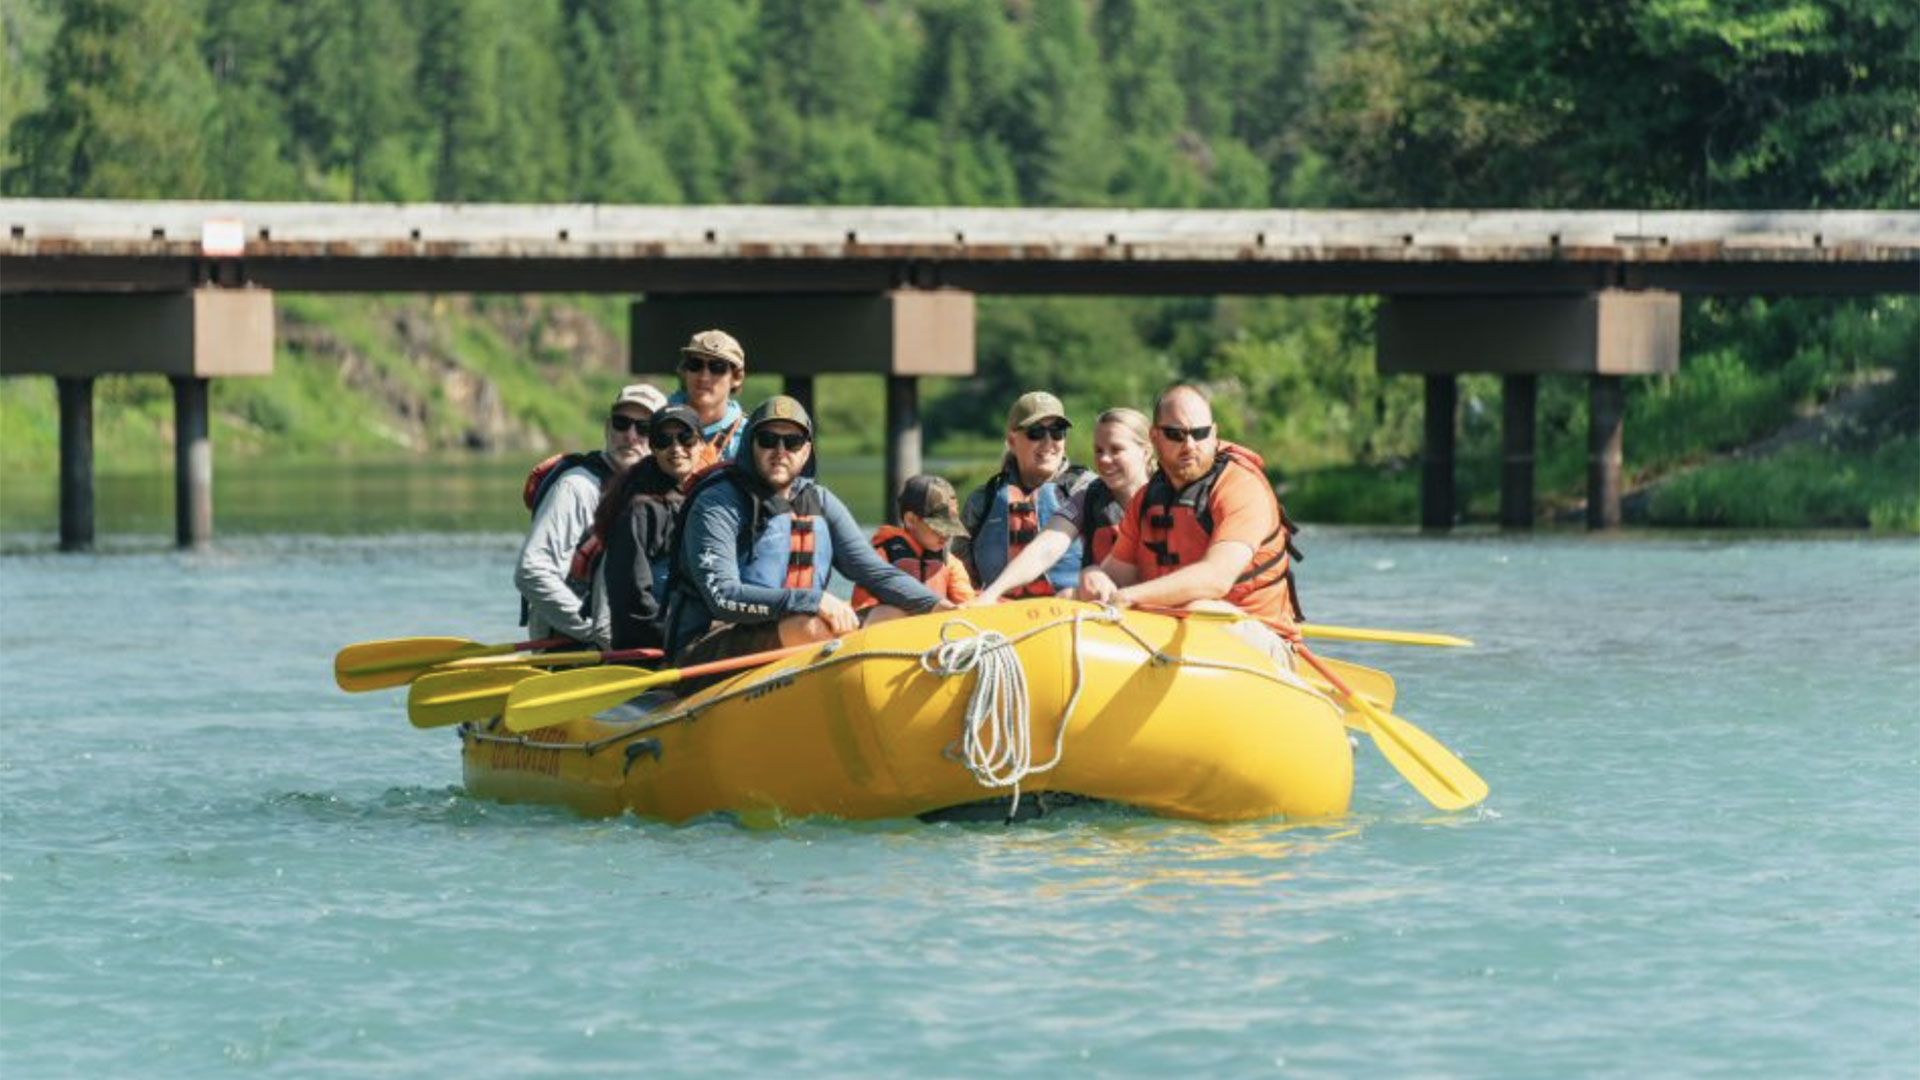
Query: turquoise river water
{"points": [[1701, 856]]}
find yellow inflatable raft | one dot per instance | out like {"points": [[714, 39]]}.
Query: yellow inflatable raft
{"points": [[1177, 716]]}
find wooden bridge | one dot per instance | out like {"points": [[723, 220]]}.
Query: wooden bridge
{"points": [[185, 289]]}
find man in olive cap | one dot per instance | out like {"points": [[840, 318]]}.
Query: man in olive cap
{"points": [[713, 368], [761, 542]]}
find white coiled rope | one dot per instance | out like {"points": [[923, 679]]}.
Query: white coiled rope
{"points": [[996, 739]]}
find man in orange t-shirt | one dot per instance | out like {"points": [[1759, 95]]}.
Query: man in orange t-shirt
{"points": [[1207, 531]]}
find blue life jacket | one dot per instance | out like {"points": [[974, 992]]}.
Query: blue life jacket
{"points": [[1014, 519], [785, 544]]}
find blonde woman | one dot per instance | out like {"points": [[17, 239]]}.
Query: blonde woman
{"points": [[1122, 457]]}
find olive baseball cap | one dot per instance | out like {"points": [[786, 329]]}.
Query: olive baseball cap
{"points": [[1033, 407], [779, 407], [933, 499]]}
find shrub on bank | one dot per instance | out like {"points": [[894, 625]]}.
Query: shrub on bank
{"points": [[1800, 488]]}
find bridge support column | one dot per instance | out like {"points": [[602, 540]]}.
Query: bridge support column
{"points": [[1606, 408], [1436, 456], [800, 389], [1518, 397], [903, 435], [192, 462], [76, 461]]}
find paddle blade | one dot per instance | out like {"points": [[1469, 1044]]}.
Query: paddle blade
{"points": [[1386, 637], [1433, 770], [456, 697], [566, 695], [377, 665]]}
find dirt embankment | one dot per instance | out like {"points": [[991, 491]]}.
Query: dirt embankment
{"points": [[429, 398]]}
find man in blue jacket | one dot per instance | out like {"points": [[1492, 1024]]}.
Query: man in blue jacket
{"points": [[759, 545]]}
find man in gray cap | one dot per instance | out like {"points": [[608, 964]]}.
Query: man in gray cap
{"points": [[562, 492], [759, 546]]}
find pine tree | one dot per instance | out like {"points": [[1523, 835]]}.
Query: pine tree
{"points": [[127, 101], [248, 149], [460, 94], [1062, 143]]}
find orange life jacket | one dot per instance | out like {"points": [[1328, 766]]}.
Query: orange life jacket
{"points": [[897, 546], [1176, 528]]}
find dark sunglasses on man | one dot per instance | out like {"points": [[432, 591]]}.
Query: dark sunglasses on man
{"points": [[793, 440], [623, 422], [1057, 431], [713, 367], [660, 440], [1174, 433]]}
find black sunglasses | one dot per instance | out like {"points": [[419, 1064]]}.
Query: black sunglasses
{"points": [[714, 367], [1174, 433], [623, 422], [1055, 431], [793, 441], [660, 440]]}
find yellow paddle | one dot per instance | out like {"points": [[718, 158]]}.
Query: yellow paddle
{"points": [[566, 695], [556, 659], [1433, 770], [456, 696], [377, 665], [1388, 637]]}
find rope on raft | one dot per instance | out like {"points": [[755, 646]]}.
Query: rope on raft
{"points": [[996, 735]]}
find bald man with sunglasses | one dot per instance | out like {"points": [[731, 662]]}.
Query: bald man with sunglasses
{"points": [[1207, 532]]}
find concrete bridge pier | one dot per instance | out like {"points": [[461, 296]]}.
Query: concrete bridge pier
{"points": [[192, 462], [1436, 454], [76, 462], [903, 436], [1519, 397], [1602, 335], [900, 334], [191, 337], [1606, 413], [800, 389]]}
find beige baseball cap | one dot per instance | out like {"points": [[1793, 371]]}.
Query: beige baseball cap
{"points": [[718, 344]]}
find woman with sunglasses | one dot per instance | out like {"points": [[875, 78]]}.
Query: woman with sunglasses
{"points": [[759, 543], [554, 581], [1007, 513], [635, 525], [1122, 458], [713, 368], [1207, 531]]}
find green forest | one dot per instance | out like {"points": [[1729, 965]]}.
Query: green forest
{"points": [[1648, 104]]}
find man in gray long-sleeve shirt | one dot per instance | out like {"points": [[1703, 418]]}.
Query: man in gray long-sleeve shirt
{"points": [[556, 598], [759, 546]]}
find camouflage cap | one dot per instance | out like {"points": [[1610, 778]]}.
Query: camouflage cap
{"points": [[933, 499]]}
